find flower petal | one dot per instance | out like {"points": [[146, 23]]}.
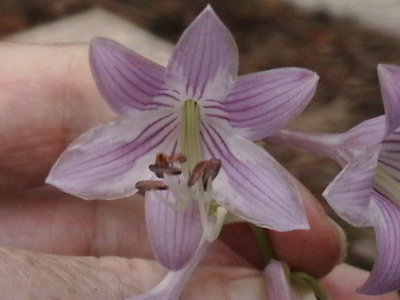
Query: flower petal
{"points": [[205, 61], [350, 192], [385, 275], [174, 235], [107, 161], [324, 144], [126, 79], [366, 134], [252, 185], [341, 147], [170, 288], [277, 281], [389, 80], [389, 155], [264, 102]]}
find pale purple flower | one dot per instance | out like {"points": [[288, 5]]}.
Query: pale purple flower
{"points": [[276, 276], [367, 191], [280, 285], [197, 106], [170, 288]]}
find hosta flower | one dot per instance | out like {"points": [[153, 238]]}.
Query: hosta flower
{"points": [[170, 288], [278, 281], [281, 287], [199, 107], [367, 191]]}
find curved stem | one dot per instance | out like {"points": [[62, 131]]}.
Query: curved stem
{"points": [[264, 243]]}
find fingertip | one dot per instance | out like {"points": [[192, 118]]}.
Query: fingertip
{"points": [[342, 282], [315, 251]]}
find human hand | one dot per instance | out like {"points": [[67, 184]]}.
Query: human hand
{"points": [[99, 249]]}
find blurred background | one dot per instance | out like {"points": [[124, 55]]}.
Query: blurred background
{"points": [[274, 33]]}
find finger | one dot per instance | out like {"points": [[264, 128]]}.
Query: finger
{"points": [[27, 275], [35, 219], [47, 98], [344, 280], [47, 220], [315, 251]]}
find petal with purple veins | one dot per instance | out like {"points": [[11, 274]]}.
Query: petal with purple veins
{"points": [[389, 155], [366, 134], [389, 78], [174, 235], [265, 102], [171, 287], [252, 185], [127, 80], [385, 275], [341, 147], [277, 281], [324, 144], [107, 161], [205, 61], [350, 192]]}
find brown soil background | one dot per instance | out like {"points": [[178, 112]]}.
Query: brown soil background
{"points": [[270, 35]]}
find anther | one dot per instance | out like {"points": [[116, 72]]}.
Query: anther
{"points": [[211, 169], [197, 173], [165, 164], [162, 159], [178, 157], [147, 185], [161, 170], [205, 170]]}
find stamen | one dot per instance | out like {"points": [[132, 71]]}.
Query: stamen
{"points": [[179, 157], [181, 192], [147, 185], [211, 226], [162, 159], [219, 222], [165, 164], [197, 173], [172, 205], [206, 170], [211, 170], [161, 170]]}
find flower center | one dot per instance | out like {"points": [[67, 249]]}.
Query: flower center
{"points": [[212, 215], [188, 176], [190, 135]]}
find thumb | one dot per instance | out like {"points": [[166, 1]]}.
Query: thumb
{"points": [[27, 275]]}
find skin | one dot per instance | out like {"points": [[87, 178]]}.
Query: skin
{"points": [[56, 246]]}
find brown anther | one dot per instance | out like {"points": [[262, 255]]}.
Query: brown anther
{"points": [[147, 185], [165, 164], [211, 169], [160, 170], [205, 170], [178, 157], [162, 159], [197, 173]]}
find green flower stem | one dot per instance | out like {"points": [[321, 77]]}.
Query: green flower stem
{"points": [[191, 143], [264, 243], [313, 283]]}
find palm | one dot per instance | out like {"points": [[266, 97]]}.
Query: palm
{"points": [[47, 98]]}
